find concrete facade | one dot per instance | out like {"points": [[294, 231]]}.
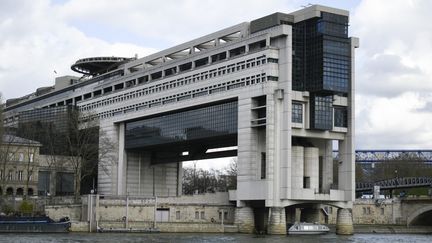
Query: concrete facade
{"points": [[257, 71]]}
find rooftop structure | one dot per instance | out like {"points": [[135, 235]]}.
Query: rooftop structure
{"points": [[98, 65]]}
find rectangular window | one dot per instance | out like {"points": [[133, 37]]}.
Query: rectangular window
{"points": [[64, 183], [21, 157], [185, 67], [202, 215], [177, 215], [30, 175], [43, 182], [201, 62], [20, 175], [306, 182], [162, 215], [340, 117], [272, 60], [196, 215], [237, 51], [321, 112], [297, 112], [225, 215], [382, 211], [31, 157], [1, 174], [263, 165], [10, 175]]}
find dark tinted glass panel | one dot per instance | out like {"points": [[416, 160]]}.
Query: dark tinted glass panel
{"points": [[321, 54], [204, 122], [43, 182], [49, 126], [321, 112], [297, 113], [333, 25], [340, 116], [65, 184]]}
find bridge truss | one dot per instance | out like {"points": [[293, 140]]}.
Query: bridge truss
{"points": [[368, 158], [395, 183], [371, 156]]}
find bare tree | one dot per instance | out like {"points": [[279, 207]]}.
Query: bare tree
{"points": [[88, 147], [213, 180], [8, 151], [1, 117], [72, 142], [30, 147], [231, 172], [403, 166]]}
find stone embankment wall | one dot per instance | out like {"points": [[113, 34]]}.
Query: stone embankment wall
{"points": [[195, 213], [204, 213]]}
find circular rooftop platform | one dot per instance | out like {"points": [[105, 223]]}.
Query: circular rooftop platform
{"points": [[98, 65]]}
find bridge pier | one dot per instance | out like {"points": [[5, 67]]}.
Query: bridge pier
{"points": [[277, 222], [244, 219], [344, 222]]}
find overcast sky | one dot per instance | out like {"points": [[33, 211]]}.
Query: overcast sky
{"points": [[393, 65]]}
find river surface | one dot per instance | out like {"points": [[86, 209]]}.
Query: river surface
{"points": [[209, 238]]}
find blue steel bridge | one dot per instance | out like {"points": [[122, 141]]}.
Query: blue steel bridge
{"points": [[368, 158], [372, 156]]}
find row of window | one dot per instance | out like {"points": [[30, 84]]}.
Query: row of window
{"points": [[201, 215], [20, 157], [19, 191], [160, 87], [213, 73], [322, 115], [246, 81], [17, 176]]}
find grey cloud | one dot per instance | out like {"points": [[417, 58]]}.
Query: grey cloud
{"points": [[386, 76], [427, 108]]}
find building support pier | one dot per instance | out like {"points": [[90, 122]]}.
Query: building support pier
{"points": [[244, 219], [277, 222], [344, 223]]}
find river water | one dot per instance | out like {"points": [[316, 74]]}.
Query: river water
{"points": [[210, 238]]}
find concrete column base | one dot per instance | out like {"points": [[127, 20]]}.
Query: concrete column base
{"points": [[244, 219], [277, 224], [344, 223]]}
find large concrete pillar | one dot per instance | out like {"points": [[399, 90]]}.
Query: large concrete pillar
{"points": [[297, 173], [344, 223], [277, 222], [327, 173], [311, 167], [122, 161], [244, 219]]}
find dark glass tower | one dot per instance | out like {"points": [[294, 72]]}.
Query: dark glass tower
{"points": [[321, 64]]}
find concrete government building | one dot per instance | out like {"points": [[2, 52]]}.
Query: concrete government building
{"points": [[280, 88]]}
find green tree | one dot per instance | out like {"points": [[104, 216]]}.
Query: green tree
{"points": [[26, 208]]}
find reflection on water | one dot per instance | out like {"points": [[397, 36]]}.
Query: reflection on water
{"points": [[208, 238]]}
